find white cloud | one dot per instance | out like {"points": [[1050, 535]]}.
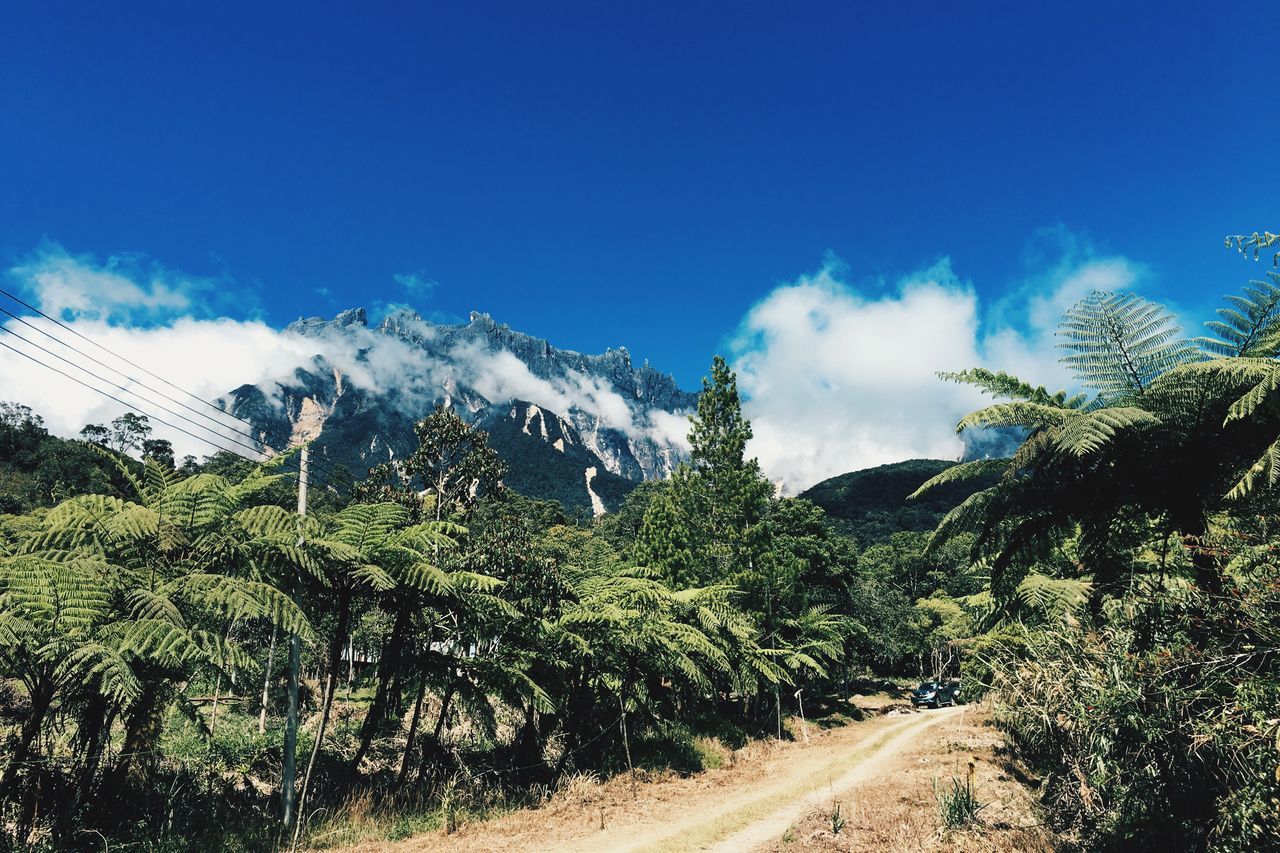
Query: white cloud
{"points": [[206, 357], [415, 285], [837, 380], [144, 317], [126, 288]]}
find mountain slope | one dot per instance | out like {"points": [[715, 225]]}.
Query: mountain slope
{"points": [[872, 504], [553, 415]]}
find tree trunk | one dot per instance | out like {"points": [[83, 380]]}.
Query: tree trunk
{"points": [[213, 712], [388, 668], [96, 724], [140, 732], [436, 733], [1208, 569], [413, 732], [266, 681], [626, 744], [330, 689], [40, 701]]}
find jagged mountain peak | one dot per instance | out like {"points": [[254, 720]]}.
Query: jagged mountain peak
{"points": [[544, 359], [551, 424]]}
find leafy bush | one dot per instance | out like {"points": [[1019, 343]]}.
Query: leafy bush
{"points": [[1157, 731], [980, 654]]}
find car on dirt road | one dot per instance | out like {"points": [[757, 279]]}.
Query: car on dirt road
{"points": [[935, 694]]}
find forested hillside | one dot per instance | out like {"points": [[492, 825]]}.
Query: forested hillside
{"points": [[428, 600], [873, 504]]}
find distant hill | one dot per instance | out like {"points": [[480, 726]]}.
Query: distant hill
{"points": [[872, 504]]}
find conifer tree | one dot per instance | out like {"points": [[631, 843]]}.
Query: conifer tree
{"points": [[709, 528], [721, 491], [665, 542]]}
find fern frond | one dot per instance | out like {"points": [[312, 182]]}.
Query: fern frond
{"points": [[1256, 396], [1031, 416], [959, 473], [237, 598], [100, 665], [1248, 327], [1089, 432], [1119, 343], [1000, 384], [962, 518], [146, 604], [1047, 596], [1267, 468]]}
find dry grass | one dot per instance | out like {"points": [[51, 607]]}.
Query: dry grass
{"points": [[898, 811], [891, 806]]}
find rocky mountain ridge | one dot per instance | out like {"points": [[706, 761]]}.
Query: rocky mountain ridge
{"points": [[553, 414]]}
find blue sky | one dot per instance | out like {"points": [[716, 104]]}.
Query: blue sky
{"points": [[605, 174]]}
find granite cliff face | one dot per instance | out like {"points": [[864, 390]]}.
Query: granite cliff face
{"points": [[552, 414]]}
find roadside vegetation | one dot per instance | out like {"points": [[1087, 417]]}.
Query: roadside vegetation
{"points": [[461, 651], [1133, 587], [185, 662]]}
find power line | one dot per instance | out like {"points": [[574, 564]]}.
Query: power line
{"points": [[134, 364], [99, 362], [278, 438], [275, 437], [131, 407], [128, 406], [127, 390], [325, 466]]}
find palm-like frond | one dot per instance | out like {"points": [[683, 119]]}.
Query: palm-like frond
{"points": [[1248, 326], [1119, 343], [1256, 396], [959, 473], [1000, 384], [1088, 432], [1265, 469], [1030, 416], [237, 598]]}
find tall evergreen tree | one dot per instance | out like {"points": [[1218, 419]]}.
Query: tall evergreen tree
{"points": [[720, 495]]}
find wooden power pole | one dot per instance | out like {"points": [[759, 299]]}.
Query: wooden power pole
{"points": [[290, 762]]}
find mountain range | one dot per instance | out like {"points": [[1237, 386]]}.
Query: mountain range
{"points": [[580, 429]]}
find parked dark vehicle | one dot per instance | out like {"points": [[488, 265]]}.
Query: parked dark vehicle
{"points": [[935, 694]]}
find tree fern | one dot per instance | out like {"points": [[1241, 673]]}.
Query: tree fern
{"points": [[1119, 343], [1088, 432], [1248, 326], [959, 473], [1029, 416], [1000, 384]]}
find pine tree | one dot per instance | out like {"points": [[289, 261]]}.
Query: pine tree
{"points": [[708, 529], [665, 542], [721, 492]]}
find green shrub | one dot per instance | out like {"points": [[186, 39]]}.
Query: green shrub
{"points": [[979, 653], [1157, 731], [958, 804]]}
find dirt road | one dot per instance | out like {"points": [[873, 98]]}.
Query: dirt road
{"points": [[735, 808]]}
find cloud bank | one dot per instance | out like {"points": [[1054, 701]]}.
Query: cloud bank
{"points": [[836, 377], [169, 325], [838, 380]]}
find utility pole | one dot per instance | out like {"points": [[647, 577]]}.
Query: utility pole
{"points": [[289, 769]]}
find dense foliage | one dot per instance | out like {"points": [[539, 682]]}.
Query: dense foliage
{"points": [[1150, 712], [185, 659], [442, 638]]}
